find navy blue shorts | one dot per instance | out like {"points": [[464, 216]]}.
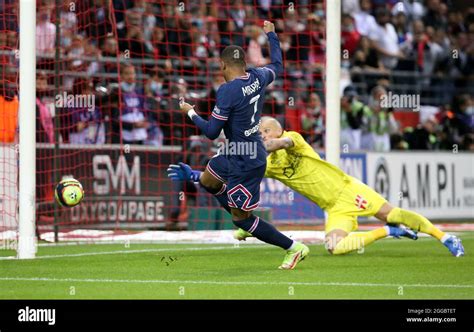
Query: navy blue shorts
{"points": [[243, 187]]}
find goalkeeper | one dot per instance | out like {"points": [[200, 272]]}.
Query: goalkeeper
{"points": [[294, 162]]}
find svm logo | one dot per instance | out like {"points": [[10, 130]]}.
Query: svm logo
{"points": [[121, 178], [37, 315]]}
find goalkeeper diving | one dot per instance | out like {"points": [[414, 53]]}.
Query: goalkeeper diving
{"points": [[293, 161]]}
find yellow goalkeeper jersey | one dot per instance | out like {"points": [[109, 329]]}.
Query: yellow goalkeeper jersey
{"points": [[303, 170]]}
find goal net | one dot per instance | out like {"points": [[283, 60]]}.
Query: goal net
{"points": [[109, 75]]}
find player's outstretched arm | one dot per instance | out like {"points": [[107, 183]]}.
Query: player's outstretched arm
{"points": [[211, 128], [183, 172], [278, 143], [276, 57]]}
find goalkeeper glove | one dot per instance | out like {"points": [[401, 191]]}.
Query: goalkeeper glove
{"points": [[183, 172]]}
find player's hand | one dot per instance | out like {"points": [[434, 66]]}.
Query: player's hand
{"points": [[268, 27], [182, 172], [184, 106]]}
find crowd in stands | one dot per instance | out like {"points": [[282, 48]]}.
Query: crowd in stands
{"points": [[139, 57], [431, 42]]}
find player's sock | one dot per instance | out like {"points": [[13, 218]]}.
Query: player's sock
{"points": [[415, 221], [220, 195], [359, 240], [264, 231]]}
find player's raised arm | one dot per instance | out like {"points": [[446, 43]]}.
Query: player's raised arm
{"points": [[276, 58]]}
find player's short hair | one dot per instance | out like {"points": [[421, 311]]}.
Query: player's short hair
{"points": [[234, 56], [274, 122]]}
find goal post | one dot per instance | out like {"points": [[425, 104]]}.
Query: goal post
{"points": [[27, 128], [333, 75]]}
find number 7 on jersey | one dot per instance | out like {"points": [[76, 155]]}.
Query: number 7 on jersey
{"points": [[254, 100]]}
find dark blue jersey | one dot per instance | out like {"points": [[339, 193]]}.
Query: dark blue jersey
{"points": [[239, 103], [238, 110]]}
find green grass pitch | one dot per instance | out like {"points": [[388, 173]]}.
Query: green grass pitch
{"points": [[388, 269]]}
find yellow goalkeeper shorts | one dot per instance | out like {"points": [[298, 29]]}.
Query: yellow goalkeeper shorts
{"points": [[356, 199]]}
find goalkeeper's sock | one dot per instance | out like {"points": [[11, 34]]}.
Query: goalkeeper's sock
{"points": [[415, 221], [264, 231], [359, 240], [220, 195]]}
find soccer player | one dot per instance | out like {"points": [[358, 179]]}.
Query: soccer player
{"points": [[294, 162], [234, 176]]}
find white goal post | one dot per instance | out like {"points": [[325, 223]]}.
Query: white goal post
{"points": [[27, 134], [333, 76]]}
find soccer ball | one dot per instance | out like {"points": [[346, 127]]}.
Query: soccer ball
{"points": [[69, 192]]}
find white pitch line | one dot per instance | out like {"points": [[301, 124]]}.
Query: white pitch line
{"points": [[245, 283], [138, 251]]}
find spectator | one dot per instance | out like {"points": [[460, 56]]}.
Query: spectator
{"points": [[434, 14], [365, 23], [379, 124], [352, 117], [350, 36], [316, 28], [200, 42], [80, 47], [8, 43], [401, 24], [131, 113], [312, 121], [155, 86], [110, 49], [413, 9], [131, 36], [44, 120], [237, 15], [84, 124], [9, 113], [68, 23], [45, 33], [424, 136], [94, 18], [298, 54], [366, 57], [155, 89], [385, 39], [461, 122]]}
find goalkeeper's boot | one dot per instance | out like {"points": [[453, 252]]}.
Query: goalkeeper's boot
{"points": [[399, 231], [454, 244], [241, 235], [293, 256]]}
